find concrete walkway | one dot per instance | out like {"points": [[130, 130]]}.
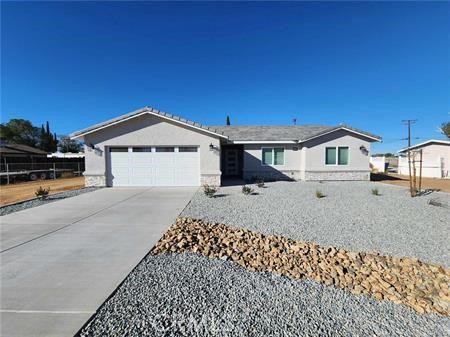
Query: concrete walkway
{"points": [[61, 261]]}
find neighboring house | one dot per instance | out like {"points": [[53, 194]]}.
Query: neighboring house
{"points": [[435, 159], [148, 147], [18, 153]]}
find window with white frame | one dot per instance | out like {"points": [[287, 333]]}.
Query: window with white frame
{"points": [[272, 156], [336, 155]]}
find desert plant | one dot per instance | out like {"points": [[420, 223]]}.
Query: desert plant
{"points": [[319, 194], [209, 190], [247, 190], [375, 191], [260, 183], [42, 192]]}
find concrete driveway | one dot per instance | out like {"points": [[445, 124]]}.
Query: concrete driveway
{"points": [[61, 261]]}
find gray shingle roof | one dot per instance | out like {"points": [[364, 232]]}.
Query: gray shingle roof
{"points": [[20, 149], [281, 132], [237, 132], [270, 132]]}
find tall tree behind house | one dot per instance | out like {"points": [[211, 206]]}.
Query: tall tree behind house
{"points": [[48, 141]]}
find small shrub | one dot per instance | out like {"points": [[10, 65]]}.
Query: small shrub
{"points": [[438, 203], [42, 192], [209, 190], [247, 190], [375, 191], [319, 194], [260, 183]]}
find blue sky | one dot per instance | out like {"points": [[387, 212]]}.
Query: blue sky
{"points": [[368, 65]]}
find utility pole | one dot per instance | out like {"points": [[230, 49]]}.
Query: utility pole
{"points": [[409, 122]]}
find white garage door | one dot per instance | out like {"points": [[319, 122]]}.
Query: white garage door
{"points": [[154, 166]]}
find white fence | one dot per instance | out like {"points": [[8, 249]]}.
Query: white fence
{"points": [[431, 168], [377, 163]]}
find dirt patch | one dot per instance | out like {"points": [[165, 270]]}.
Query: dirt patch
{"points": [[421, 286], [22, 191], [399, 180]]}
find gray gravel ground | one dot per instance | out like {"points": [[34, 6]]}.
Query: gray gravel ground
{"points": [[191, 295], [37, 202], [348, 217]]}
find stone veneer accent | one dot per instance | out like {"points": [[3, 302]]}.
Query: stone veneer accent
{"points": [[423, 287], [272, 175], [337, 175], [210, 179], [94, 180]]}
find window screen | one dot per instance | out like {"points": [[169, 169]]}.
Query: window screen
{"points": [[343, 155], [278, 156], [267, 156], [330, 156]]}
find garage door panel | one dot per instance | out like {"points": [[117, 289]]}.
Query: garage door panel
{"points": [[141, 166], [187, 180], [164, 176], [164, 160], [119, 164], [149, 168]]}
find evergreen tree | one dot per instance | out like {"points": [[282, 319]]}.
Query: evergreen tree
{"points": [[20, 131], [445, 129], [55, 143], [48, 141]]}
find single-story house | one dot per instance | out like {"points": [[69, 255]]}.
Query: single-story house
{"points": [[148, 147], [435, 159]]}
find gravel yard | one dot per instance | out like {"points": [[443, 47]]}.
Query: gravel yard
{"points": [[349, 217], [190, 295], [37, 202]]}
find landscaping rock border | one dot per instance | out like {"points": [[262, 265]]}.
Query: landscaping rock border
{"points": [[422, 286], [349, 217]]}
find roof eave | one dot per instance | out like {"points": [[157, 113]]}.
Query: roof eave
{"points": [[264, 141]]}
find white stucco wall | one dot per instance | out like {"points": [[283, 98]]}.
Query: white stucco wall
{"points": [[252, 166], [358, 160], [378, 163], [149, 130]]}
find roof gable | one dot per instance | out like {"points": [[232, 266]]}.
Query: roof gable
{"points": [[144, 111], [348, 129]]}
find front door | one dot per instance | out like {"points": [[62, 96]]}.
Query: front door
{"points": [[231, 162]]}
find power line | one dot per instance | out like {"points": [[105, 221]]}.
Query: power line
{"points": [[409, 122]]}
